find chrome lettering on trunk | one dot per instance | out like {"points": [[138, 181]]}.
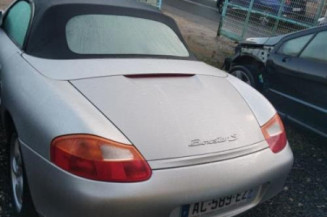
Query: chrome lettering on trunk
{"points": [[199, 142]]}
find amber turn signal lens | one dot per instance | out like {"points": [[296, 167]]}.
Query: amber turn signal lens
{"points": [[99, 159]]}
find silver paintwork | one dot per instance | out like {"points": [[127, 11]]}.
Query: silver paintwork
{"points": [[160, 116], [67, 195], [28, 95], [260, 106], [207, 158], [154, 113], [220, 139], [81, 69]]}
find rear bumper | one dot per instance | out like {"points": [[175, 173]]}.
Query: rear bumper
{"points": [[57, 193]]}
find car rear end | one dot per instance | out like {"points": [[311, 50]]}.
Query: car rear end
{"points": [[191, 140], [174, 192], [206, 151]]}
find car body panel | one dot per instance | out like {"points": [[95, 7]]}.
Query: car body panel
{"points": [[295, 86], [62, 108], [207, 158], [8, 48], [260, 106], [81, 69], [162, 106], [267, 41], [168, 189]]}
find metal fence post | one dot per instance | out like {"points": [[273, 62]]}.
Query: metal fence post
{"points": [[159, 3], [237, 27], [222, 16], [280, 11], [246, 25]]}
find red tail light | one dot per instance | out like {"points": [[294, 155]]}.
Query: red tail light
{"points": [[274, 133], [100, 159]]}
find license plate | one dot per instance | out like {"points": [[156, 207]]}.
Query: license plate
{"points": [[203, 208], [297, 9]]}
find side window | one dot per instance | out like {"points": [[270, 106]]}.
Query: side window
{"points": [[317, 49], [294, 46], [17, 21]]}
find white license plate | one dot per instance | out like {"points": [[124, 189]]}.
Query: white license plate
{"points": [[297, 9], [203, 208]]}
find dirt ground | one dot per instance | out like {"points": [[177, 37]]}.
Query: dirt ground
{"points": [[4, 4], [203, 41]]}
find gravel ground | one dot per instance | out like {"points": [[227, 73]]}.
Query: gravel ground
{"points": [[4, 203], [200, 35], [4, 4]]}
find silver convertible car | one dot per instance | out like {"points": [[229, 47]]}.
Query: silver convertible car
{"points": [[108, 114]]}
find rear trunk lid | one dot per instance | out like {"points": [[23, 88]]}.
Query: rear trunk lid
{"points": [[175, 116], [169, 109]]}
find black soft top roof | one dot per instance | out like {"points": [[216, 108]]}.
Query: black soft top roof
{"points": [[47, 37], [41, 6]]}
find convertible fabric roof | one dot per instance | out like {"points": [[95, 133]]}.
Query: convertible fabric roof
{"points": [[47, 39], [42, 6]]}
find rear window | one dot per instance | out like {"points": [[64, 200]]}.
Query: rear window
{"points": [[122, 35]]}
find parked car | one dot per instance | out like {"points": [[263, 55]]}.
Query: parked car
{"points": [[292, 8], [107, 113], [291, 72]]}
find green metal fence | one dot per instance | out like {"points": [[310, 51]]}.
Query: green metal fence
{"points": [[242, 19], [156, 3]]}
